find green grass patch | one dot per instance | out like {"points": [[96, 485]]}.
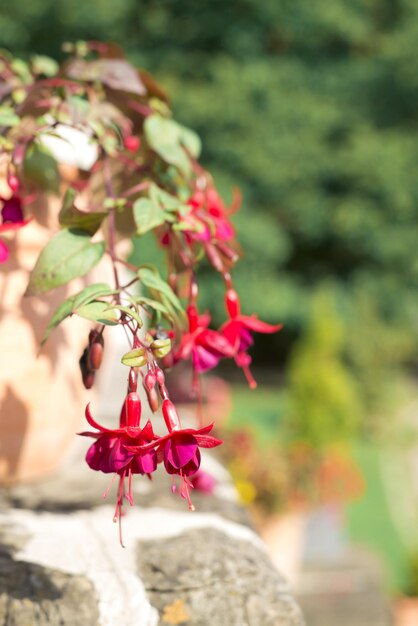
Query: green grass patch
{"points": [[372, 520]]}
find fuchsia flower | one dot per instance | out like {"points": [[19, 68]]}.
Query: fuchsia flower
{"points": [[110, 453], [179, 449], [209, 212], [204, 346], [238, 331], [11, 219]]}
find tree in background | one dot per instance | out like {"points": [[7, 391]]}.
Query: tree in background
{"points": [[312, 108]]}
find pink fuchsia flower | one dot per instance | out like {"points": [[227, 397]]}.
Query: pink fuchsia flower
{"points": [[11, 219], [209, 212], [238, 331], [110, 452], [179, 449], [204, 346]]}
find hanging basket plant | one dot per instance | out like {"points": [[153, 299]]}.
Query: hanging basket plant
{"points": [[99, 134]]}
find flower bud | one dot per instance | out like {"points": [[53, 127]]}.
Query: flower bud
{"points": [[95, 337], [95, 356], [193, 317], [133, 409], [153, 399], [132, 380], [135, 358], [160, 376], [88, 379], [171, 417], [232, 303], [161, 347], [213, 257], [132, 143], [149, 381]]}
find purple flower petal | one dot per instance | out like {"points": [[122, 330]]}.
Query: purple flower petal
{"points": [[98, 455], [204, 360], [12, 210], [179, 450]]}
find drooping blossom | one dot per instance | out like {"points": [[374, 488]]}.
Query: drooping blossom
{"points": [[112, 452], [238, 331], [206, 221], [179, 449], [208, 210], [205, 347], [12, 218]]}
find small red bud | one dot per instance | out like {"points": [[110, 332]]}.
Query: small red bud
{"points": [[149, 381], [214, 257], [132, 380], [95, 356], [171, 417], [13, 183], [132, 143], [130, 414], [88, 379], [153, 399], [232, 303], [192, 316], [160, 376]]}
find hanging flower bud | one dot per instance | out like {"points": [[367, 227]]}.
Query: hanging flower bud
{"points": [[150, 381], [232, 303], [87, 374], [171, 417], [132, 143], [96, 355], [132, 380], [153, 399]]}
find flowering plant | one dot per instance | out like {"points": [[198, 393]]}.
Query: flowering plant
{"points": [[99, 134]]}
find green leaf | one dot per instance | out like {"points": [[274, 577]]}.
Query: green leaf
{"points": [[98, 311], [44, 65], [69, 254], [8, 117], [71, 217], [151, 279], [147, 215], [169, 140], [157, 307], [130, 312], [165, 200], [71, 304], [40, 168], [156, 209]]}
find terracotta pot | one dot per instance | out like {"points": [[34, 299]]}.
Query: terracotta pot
{"points": [[284, 534], [41, 397], [406, 612]]}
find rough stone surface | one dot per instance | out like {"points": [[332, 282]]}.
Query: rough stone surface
{"points": [[61, 562], [34, 595], [203, 577]]}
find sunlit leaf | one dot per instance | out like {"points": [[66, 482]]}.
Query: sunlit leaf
{"points": [[98, 311], [71, 217], [69, 254], [71, 304]]}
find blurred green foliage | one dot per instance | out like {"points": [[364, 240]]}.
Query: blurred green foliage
{"points": [[324, 406], [309, 107]]}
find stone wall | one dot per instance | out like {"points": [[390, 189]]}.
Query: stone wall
{"points": [[61, 562]]}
